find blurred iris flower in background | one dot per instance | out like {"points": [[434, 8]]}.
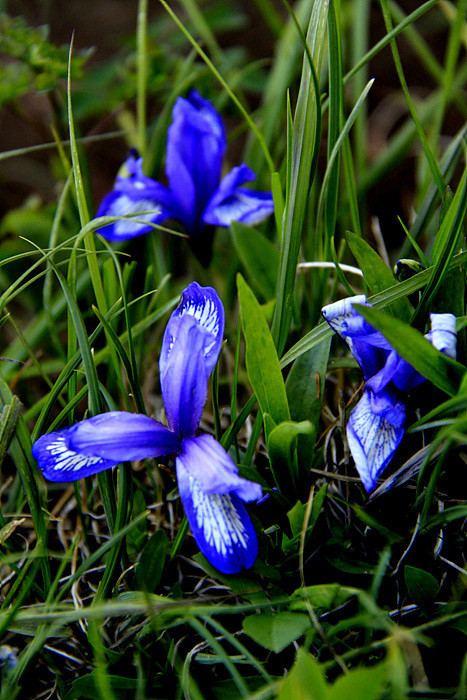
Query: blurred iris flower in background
{"points": [[376, 424], [196, 195], [211, 491]]}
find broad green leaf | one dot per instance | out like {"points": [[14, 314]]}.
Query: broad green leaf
{"points": [[305, 383], [360, 684], [421, 585], [305, 681], [276, 631], [262, 363], [89, 686], [151, 562], [304, 387], [441, 370], [296, 516], [322, 596], [259, 256], [282, 441], [377, 274]]}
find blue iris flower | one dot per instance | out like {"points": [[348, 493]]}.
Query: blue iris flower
{"points": [[376, 424], [196, 195], [210, 488]]}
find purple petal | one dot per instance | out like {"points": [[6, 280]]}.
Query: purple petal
{"points": [[374, 431], [369, 347], [231, 202], [398, 371], [191, 346], [204, 459], [134, 192], [123, 203], [219, 523], [101, 442], [195, 149]]}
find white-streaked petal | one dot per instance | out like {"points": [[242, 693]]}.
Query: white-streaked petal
{"points": [[443, 333], [59, 462], [203, 458], [190, 348], [374, 431], [101, 442], [220, 525]]}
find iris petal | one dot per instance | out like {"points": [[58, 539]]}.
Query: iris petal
{"points": [[220, 524], [205, 306], [369, 347], [134, 193], [101, 442], [443, 333], [183, 374], [204, 459], [118, 203], [231, 202], [191, 346], [374, 431], [196, 146]]}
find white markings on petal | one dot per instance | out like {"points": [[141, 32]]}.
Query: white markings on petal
{"points": [[218, 520], [205, 312], [372, 440], [124, 205], [443, 333], [66, 460]]}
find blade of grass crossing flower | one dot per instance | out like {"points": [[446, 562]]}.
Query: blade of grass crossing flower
{"points": [[262, 362], [304, 152], [438, 368]]}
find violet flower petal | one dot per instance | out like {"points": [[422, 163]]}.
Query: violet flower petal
{"points": [[203, 458], [196, 146], [100, 443], [220, 524], [231, 202], [374, 431]]}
